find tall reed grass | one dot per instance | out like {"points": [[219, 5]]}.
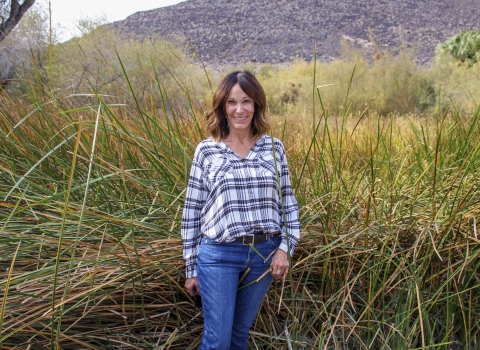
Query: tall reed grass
{"points": [[92, 188]]}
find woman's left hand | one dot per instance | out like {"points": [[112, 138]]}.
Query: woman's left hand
{"points": [[279, 266]]}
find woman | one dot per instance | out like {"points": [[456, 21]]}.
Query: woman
{"points": [[240, 216]]}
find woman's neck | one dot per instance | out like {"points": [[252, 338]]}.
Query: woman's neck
{"points": [[240, 137], [240, 143]]}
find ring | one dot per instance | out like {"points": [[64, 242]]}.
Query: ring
{"points": [[279, 272]]}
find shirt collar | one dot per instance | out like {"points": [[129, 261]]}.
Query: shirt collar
{"points": [[260, 142], [252, 154], [258, 146]]}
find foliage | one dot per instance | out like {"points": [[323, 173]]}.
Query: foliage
{"points": [[30, 38], [11, 12], [8, 57], [93, 60], [457, 85], [94, 160], [463, 47], [91, 189], [389, 84]]}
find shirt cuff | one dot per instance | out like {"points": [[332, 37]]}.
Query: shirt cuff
{"points": [[191, 271], [283, 246]]}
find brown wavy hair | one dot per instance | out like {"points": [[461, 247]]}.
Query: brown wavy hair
{"points": [[216, 121]]}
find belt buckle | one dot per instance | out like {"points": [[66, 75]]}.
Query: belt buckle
{"points": [[248, 239]]}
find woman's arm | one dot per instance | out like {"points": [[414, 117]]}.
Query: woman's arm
{"points": [[290, 220], [290, 211], [191, 218]]}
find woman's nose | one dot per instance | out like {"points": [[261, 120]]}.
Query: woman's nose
{"points": [[239, 107]]}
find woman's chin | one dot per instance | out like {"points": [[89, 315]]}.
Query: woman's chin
{"points": [[240, 124]]}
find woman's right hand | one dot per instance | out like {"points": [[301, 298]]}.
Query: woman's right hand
{"points": [[191, 285]]}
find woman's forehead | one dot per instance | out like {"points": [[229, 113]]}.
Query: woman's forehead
{"points": [[237, 92]]}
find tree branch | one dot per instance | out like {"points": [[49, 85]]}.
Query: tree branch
{"points": [[16, 13]]}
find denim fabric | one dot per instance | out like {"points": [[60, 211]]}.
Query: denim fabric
{"points": [[228, 309]]}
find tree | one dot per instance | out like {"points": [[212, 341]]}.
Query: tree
{"points": [[26, 41], [11, 12]]}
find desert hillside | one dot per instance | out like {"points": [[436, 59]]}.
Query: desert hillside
{"points": [[235, 32]]}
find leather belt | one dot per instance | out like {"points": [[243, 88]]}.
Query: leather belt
{"points": [[255, 239]]}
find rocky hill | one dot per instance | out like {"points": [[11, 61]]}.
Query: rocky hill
{"points": [[228, 32]]}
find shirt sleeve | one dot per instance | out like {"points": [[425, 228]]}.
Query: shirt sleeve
{"points": [[290, 219], [191, 218]]}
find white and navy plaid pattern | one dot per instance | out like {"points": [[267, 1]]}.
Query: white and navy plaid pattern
{"points": [[229, 196]]}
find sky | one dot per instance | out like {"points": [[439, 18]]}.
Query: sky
{"points": [[66, 12]]}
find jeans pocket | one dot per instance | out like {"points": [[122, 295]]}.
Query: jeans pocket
{"points": [[275, 241], [207, 245]]}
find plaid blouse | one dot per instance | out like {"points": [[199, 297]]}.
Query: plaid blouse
{"points": [[229, 196]]}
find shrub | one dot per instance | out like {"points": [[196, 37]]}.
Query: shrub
{"points": [[463, 47], [389, 83]]}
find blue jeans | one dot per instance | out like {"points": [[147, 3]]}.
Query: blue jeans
{"points": [[228, 309]]}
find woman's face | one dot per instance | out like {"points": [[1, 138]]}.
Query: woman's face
{"points": [[239, 109]]}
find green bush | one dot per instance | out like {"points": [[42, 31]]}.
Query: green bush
{"points": [[456, 84], [463, 47], [389, 84]]}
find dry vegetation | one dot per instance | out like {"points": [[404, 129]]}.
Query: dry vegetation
{"points": [[93, 170]]}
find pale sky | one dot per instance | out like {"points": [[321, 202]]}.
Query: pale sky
{"points": [[66, 12]]}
